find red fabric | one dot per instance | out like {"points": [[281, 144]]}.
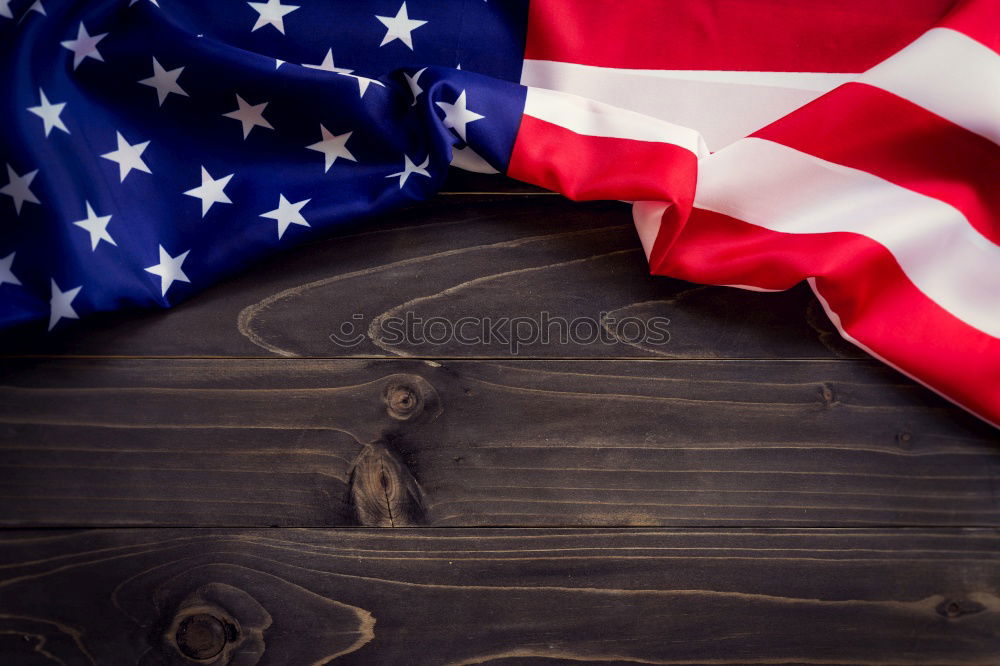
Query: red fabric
{"points": [[595, 167], [877, 304], [750, 35], [856, 126], [979, 20]]}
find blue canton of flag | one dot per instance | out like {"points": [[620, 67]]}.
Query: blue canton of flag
{"points": [[153, 147]]}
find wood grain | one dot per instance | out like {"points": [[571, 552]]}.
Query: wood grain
{"points": [[299, 442], [502, 596], [238, 409], [488, 256]]}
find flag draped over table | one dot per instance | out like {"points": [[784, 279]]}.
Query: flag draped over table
{"points": [[153, 146]]}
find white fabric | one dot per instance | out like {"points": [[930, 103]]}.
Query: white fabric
{"points": [[723, 106], [932, 241], [949, 74], [591, 118]]}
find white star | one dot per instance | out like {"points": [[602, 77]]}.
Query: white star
{"points": [[164, 81], [84, 46], [169, 269], [6, 273], [210, 191], [457, 116], [399, 27], [287, 213], [49, 113], [36, 6], [332, 146], [127, 156], [278, 62], [250, 115], [328, 66], [19, 188], [60, 305], [409, 167], [414, 86], [271, 12], [363, 82], [97, 226], [5, 9]]}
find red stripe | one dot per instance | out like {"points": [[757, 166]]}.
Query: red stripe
{"points": [[762, 35], [869, 129], [978, 19], [876, 302], [596, 167]]}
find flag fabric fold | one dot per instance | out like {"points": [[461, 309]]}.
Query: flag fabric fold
{"points": [[883, 194], [153, 147]]}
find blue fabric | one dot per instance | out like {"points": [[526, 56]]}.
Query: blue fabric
{"points": [[223, 57]]}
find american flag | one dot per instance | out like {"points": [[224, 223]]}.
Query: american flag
{"points": [[152, 147]]}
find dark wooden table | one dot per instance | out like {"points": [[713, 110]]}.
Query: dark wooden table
{"points": [[212, 484]]}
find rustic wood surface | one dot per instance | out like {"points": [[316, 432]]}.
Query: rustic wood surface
{"points": [[276, 442], [149, 437], [484, 255], [434, 596]]}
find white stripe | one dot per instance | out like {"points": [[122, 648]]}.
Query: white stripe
{"points": [[469, 160], [724, 106], [820, 82], [782, 189], [590, 118], [816, 81], [647, 216], [949, 74]]}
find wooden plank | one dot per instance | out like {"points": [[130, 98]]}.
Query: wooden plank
{"points": [[490, 257], [483, 443], [501, 596]]}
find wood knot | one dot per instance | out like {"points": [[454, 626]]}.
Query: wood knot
{"points": [[827, 395], [904, 440], [212, 624], [201, 636], [408, 397], [384, 493], [402, 401], [952, 608]]}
